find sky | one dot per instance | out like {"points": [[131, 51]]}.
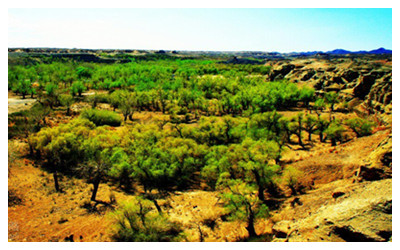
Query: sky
{"points": [[282, 30]]}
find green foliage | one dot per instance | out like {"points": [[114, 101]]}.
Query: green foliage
{"points": [[269, 126], [59, 147], [290, 178], [66, 100], [51, 89], [307, 95], [319, 104], [242, 203], [83, 72], [78, 88], [102, 117], [331, 98], [138, 222], [335, 132], [97, 98], [361, 127], [23, 123], [310, 125], [23, 87], [251, 161], [161, 162], [121, 168]]}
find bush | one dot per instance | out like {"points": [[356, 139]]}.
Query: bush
{"points": [[102, 117], [78, 88], [139, 222], [335, 133], [360, 126], [290, 178]]}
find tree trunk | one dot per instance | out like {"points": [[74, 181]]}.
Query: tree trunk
{"points": [[55, 176], [96, 184], [201, 233], [260, 187], [321, 136], [157, 206], [250, 224], [300, 141], [293, 190]]}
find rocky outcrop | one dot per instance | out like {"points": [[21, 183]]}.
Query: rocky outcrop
{"points": [[379, 162], [362, 213], [307, 75], [364, 86], [281, 71], [350, 75], [361, 78]]}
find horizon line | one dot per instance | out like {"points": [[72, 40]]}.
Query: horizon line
{"points": [[309, 51]]}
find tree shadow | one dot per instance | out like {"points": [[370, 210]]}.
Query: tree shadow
{"points": [[258, 238], [98, 206]]}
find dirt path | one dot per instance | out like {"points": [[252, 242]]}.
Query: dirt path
{"points": [[16, 103]]}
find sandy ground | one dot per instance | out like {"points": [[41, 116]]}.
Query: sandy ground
{"points": [[16, 104]]}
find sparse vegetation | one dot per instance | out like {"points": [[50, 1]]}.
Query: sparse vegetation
{"points": [[138, 221]]}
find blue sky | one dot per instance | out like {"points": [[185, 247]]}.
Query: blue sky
{"points": [[282, 30]]}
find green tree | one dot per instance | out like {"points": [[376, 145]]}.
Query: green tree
{"points": [[241, 203], [310, 125], [127, 103], [307, 95], [319, 105], [78, 88], [361, 127], [83, 72], [322, 125], [23, 87], [121, 168], [97, 149], [60, 147], [67, 101], [290, 177], [331, 98], [335, 132], [258, 166], [51, 94], [296, 126]]}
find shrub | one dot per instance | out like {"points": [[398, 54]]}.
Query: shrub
{"points": [[290, 178], [97, 98], [67, 101], [138, 222], [102, 117], [335, 132], [360, 126], [78, 88]]}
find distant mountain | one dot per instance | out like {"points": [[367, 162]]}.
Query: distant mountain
{"points": [[380, 51], [344, 52], [338, 52]]}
